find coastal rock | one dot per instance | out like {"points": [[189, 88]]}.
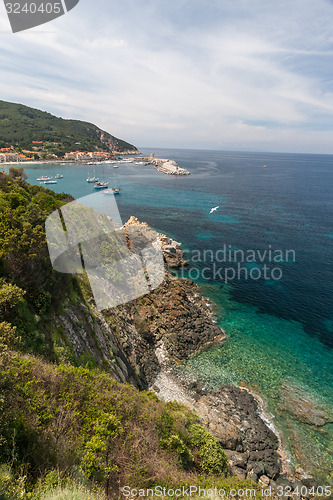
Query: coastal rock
{"points": [[171, 324], [89, 336], [237, 459], [232, 415], [303, 404], [172, 250]]}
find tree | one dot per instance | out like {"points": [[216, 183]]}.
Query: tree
{"points": [[15, 173]]}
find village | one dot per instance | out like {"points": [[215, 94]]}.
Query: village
{"points": [[40, 153]]}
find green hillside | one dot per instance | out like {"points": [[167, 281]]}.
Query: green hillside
{"points": [[20, 125]]}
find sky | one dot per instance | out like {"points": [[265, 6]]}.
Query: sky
{"points": [[252, 75]]}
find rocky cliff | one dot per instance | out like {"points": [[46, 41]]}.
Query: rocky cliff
{"points": [[143, 341]]}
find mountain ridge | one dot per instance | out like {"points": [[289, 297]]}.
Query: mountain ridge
{"points": [[20, 125]]}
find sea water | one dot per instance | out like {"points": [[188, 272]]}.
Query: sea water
{"points": [[280, 329]]}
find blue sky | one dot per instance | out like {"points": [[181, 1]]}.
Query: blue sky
{"points": [[210, 74]]}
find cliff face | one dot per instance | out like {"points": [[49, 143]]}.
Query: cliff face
{"points": [[114, 144], [131, 341], [141, 342]]}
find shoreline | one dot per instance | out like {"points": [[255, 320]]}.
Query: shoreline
{"points": [[173, 385], [36, 162]]}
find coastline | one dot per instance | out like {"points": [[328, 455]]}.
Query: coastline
{"points": [[235, 415], [264, 459], [203, 347]]}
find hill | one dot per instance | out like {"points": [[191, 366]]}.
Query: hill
{"points": [[74, 424], [21, 125]]}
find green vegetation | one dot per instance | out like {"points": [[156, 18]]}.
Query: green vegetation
{"points": [[30, 289], [66, 422], [68, 431], [20, 125]]}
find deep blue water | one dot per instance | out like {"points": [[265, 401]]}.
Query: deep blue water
{"points": [[281, 331]]}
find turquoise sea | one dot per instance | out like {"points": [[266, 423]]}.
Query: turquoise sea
{"points": [[280, 325]]}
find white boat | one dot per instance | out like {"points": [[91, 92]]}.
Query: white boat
{"points": [[111, 191], [115, 166], [44, 178], [58, 176], [50, 182], [101, 185], [92, 179]]}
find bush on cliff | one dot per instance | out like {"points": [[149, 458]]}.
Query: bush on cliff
{"points": [[70, 419]]}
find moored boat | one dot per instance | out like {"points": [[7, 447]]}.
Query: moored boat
{"points": [[111, 191], [101, 185], [44, 178]]}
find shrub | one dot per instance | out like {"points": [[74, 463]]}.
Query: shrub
{"points": [[213, 460]]}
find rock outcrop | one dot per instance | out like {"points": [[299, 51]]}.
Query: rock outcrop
{"points": [[142, 342], [128, 340], [233, 416], [172, 250]]}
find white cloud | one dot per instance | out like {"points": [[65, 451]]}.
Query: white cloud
{"points": [[183, 73]]}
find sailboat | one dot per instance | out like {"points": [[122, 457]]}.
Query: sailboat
{"points": [[100, 184], [94, 178], [111, 191], [114, 190]]}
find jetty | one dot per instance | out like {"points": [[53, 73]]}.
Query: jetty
{"points": [[166, 166]]}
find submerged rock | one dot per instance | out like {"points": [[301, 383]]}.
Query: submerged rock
{"points": [[303, 404]]}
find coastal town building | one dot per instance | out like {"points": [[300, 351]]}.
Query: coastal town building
{"points": [[90, 155], [9, 157]]}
